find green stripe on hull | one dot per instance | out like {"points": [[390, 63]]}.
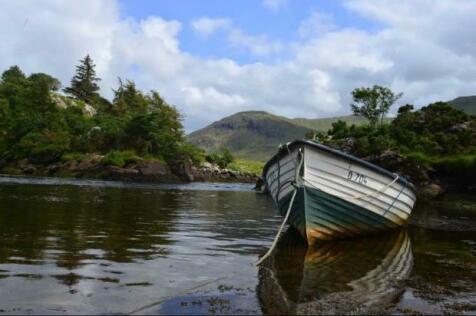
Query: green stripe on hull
{"points": [[318, 215]]}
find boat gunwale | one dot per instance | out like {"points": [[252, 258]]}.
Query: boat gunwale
{"points": [[282, 152]]}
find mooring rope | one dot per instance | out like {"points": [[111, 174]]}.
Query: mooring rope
{"points": [[288, 212], [398, 195], [271, 249]]}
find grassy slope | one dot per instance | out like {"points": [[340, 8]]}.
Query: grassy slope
{"points": [[256, 135], [466, 104], [324, 124], [247, 165]]}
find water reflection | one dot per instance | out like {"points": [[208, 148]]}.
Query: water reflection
{"points": [[95, 247], [335, 277], [119, 248], [72, 226]]}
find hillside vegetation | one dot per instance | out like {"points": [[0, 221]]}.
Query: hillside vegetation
{"points": [[256, 135], [324, 124], [435, 144], [466, 104]]}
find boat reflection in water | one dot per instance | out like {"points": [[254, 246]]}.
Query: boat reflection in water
{"points": [[345, 276]]}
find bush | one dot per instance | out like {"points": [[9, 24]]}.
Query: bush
{"points": [[222, 160], [120, 158], [460, 165], [43, 147], [73, 157]]}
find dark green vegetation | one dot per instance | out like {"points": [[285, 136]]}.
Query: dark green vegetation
{"points": [[466, 104], [222, 159], [41, 126], [437, 141], [256, 135], [84, 84]]}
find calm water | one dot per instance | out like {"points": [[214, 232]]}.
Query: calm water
{"points": [[69, 246]]}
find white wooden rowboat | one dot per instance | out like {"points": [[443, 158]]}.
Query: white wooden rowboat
{"points": [[328, 194]]}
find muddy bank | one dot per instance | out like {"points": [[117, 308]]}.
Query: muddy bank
{"points": [[154, 172]]}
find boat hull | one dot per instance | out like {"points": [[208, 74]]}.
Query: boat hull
{"points": [[320, 216], [338, 195]]}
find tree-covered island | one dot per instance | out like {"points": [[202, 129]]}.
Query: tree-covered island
{"points": [[79, 133]]}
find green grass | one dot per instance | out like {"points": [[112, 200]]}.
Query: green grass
{"points": [[252, 166], [73, 157], [120, 158], [324, 124], [464, 164], [11, 170]]}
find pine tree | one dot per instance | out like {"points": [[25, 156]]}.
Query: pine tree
{"points": [[84, 84]]}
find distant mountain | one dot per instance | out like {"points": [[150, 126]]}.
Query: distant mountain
{"points": [[324, 124], [256, 135], [466, 104]]}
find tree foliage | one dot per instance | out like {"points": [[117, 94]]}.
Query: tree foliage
{"points": [[84, 83], [34, 126], [373, 103], [437, 134]]}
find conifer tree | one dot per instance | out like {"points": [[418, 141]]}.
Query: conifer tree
{"points": [[84, 83]]}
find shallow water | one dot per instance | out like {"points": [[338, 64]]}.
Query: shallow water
{"points": [[71, 246]]}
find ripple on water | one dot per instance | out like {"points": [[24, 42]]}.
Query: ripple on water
{"points": [[69, 246]]}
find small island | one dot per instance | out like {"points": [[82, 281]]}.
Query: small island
{"points": [[137, 136]]}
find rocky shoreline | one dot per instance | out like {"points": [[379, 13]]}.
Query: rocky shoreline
{"points": [[152, 171], [429, 183]]}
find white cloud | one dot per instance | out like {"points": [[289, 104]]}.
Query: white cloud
{"points": [[413, 52], [56, 35], [259, 45], [274, 5], [207, 26], [316, 24]]}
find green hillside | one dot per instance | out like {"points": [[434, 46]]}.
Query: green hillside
{"points": [[324, 124], [256, 134], [466, 104]]}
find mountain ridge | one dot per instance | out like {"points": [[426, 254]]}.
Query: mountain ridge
{"points": [[256, 135], [465, 103]]}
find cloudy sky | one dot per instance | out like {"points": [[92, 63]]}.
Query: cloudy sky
{"points": [[214, 58]]}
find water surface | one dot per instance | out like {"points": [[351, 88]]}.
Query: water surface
{"points": [[72, 246]]}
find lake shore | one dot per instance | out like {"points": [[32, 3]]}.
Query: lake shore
{"points": [[146, 171], [430, 186]]}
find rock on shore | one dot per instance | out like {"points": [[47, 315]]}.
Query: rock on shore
{"points": [[212, 173], [158, 172]]}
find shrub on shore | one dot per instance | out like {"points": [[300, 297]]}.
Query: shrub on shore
{"points": [[120, 158], [437, 136], [222, 159]]}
